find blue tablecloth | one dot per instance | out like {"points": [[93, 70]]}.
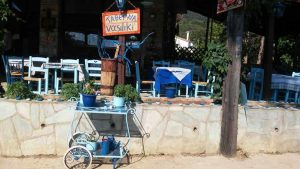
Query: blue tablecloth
{"points": [[164, 76], [285, 82]]}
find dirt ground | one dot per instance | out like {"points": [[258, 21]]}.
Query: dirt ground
{"points": [[259, 161]]}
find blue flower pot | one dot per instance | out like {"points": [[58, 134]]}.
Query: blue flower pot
{"points": [[170, 92], [88, 100]]}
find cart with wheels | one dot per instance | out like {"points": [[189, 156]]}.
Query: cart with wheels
{"points": [[82, 150]]}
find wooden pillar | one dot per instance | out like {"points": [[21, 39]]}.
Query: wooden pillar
{"points": [[121, 67], [268, 55], [235, 24]]}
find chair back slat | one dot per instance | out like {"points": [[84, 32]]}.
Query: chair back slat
{"points": [[161, 63], [93, 68]]}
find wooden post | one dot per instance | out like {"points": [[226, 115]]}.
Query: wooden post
{"points": [[268, 55], [231, 87], [121, 67]]}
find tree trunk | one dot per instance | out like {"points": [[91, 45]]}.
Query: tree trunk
{"points": [[235, 24], [261, 50]]}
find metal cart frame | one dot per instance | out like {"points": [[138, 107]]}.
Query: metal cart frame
{"points": [[78, 153]]}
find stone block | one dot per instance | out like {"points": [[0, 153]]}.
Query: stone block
{"points": [[215, 113], [291, 120], [39, 146], [193, 146], [174, 129], [254, 143], [62, 116], [35, 115], [156, 134], [62, 136], [136, 146], [9, 144], [44, 131], [8, 109], [184, 118], [59, 106], [170, 145], [47, 109], [198, 113], [23, 127], [151, 119], [23, 108], [213, 137]]}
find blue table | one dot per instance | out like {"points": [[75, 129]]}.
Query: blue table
{"points": [[287, 83], [165, 76]]}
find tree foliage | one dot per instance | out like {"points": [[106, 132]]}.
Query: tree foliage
{"points": [[5, 13], [216, 60]]}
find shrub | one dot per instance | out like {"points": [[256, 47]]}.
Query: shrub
{"points": [[70, 90], [18, 89]]}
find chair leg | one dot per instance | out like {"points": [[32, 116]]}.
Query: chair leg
{"points": [[287, 96], [196, 90], [186, 91], [153, 89], [296, 97], [40, 86]]}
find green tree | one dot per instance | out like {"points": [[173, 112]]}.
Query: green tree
{"points": [[5, 14]]}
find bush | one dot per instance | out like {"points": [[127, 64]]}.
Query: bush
{"points": [[216, 60], [70, 90], [126, 91], [18, 89]]}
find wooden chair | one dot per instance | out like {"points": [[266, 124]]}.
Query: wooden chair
{"points": [[93, 69], [68, 66], [139, 82], [14, 68], [256, 84], [204, 87], [35, 67]]}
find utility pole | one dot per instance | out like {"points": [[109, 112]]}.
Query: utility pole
{"points": [[231, 86]]}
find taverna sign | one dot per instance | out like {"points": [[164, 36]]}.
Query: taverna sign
{"points": [[121, 22]]}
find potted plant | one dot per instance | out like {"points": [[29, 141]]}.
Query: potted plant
{"points": [[124, 93], [88, 94]]}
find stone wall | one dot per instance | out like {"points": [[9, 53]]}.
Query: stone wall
{"points": [[43, 128]]}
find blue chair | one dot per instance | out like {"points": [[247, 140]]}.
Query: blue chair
{"points": [[186, 65], [139, 82], [14, 68], [287, 94], [256, 84], [160, 63]]}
